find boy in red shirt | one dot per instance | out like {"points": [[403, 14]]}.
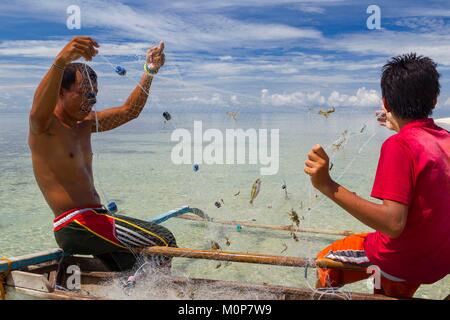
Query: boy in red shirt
{"points": [[411, 244]]}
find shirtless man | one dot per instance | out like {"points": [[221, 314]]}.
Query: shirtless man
{"points": [[61, 124]]}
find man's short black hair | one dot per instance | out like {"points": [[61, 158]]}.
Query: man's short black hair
{"points": [[70, 73], [410, 85]]}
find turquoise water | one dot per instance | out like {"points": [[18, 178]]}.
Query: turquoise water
{"points": [[132, 165]]}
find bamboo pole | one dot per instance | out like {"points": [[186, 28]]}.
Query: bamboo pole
{"points": [[257, 258], [289, 228]]}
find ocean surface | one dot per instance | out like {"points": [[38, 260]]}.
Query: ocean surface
{"points": [[133, 166]]}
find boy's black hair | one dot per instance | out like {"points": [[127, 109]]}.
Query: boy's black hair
{"points": [[70, 73], [410, 85]]}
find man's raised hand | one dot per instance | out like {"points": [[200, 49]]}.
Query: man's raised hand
{"points": [[78, 47], [155, 57]]}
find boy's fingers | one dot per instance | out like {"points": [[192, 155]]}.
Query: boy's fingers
{"points": [[309, 163], [161, 46], [312, 156], [317, 149]]}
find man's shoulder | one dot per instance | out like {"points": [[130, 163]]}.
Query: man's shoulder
{"points": [[36, 131]]}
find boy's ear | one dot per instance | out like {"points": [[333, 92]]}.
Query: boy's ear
{"points": [[434, 102], [386, 105]]}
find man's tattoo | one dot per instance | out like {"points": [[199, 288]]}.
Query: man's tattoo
{"points": [[131, 109]]}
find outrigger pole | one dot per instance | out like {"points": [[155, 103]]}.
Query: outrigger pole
{"points": [[249, 258], [289, 228]]}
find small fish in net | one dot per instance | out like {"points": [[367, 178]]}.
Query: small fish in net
{"points": [[215, 245], [363, 128], [327, 113], [294, 217], [255, 190], [284, 187]]}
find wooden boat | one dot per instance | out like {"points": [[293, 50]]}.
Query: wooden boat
{"points": [[40, 276]]}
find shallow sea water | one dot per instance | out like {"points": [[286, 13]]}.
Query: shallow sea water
{"points": [[133, 166]]}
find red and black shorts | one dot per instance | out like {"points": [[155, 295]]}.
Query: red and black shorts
{"points": [[110, 237]]}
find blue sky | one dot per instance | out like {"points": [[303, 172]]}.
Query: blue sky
{"points": [[228, 54]]}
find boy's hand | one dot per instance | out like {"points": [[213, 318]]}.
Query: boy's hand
{"points": [[384, 118], [317, 166], [76, 48]]}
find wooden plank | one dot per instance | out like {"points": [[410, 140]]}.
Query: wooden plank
{"points": [[41, 268], [15, 263], [279, 291], [26, 280], [288, 292], [56, 295], [52, 278]]}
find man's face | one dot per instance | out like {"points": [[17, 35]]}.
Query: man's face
{"points": [[79, 100]]}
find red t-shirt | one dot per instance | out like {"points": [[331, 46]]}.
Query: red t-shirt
{"points": [[414, 169]]}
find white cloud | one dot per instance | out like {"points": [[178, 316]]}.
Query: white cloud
{"points": [[362, 98], [50, 48], [391, 43], [297, 99], [344, 62], [214, 99], [207, 30], [422, 24], [226, 58]]}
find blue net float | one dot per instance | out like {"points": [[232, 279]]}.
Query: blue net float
{"points": [[121, 71], [167, 115]]}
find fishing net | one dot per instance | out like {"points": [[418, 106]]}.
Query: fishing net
{"points": [[226, 192]]}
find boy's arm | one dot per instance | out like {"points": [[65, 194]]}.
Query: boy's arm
{"points": [[388, 217], [47, 93]]}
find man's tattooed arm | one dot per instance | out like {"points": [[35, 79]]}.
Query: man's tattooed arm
{"points": [[114, 117]]}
